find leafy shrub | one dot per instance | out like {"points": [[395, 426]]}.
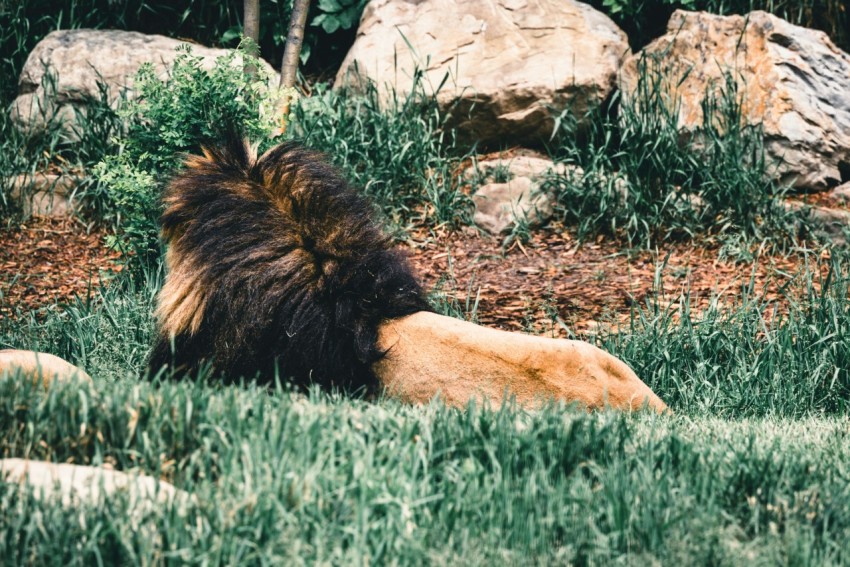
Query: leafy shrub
{"points": [[396, 152], [168, 118], [338, 14]]}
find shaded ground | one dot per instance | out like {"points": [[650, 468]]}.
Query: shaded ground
{"points": [[50, 260], [548, 283]]}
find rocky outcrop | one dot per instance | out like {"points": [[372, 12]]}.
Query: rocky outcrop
{"points": [[508, 65], [793, 81], [62, 73]]}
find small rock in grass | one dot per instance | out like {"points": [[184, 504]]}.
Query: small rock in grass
{"points": [[512, 190], [79, 483], [39, 366], [500, 206]]}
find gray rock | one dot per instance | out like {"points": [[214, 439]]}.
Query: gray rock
{"points": [[72, 484], [75, 61], [500, 206], [508, 65], [793, 81], [45, 194]]}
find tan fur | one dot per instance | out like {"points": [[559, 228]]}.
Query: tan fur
{"points": [[181, 302], [39, 366], [430, 354]]}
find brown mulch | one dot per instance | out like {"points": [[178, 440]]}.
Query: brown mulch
{"points": [[544, 284], [554, 277], [827, 199], [49, 260]]}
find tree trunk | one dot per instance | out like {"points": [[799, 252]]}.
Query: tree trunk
{"points": [[291, 54], [251, 29], [294, 39]]}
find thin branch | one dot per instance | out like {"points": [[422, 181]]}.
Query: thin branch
{"points": [[294, 40], [251, 30]]}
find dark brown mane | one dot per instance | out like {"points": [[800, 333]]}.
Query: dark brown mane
{"points": [[276, 264]]}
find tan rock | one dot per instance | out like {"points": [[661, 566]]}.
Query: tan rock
{"points": [[45, 194], [39, 366], [79, 59], [507, 64], [429, 355], [792, 80]]}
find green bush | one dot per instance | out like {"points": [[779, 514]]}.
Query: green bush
{"points": [[396, 150], [167, 119]]}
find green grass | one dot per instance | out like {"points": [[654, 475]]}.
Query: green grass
{"points": [[397, 151], [281, 478], [644, 180], [753, 465]]}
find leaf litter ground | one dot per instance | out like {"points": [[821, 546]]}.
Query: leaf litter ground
{"points": [[552, 284]]}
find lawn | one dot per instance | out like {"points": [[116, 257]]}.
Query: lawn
{"points": [[279, 477]]}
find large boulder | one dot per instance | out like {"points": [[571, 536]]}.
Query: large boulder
{"points": [[62, 72], [512, 64], [793, 81]]}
